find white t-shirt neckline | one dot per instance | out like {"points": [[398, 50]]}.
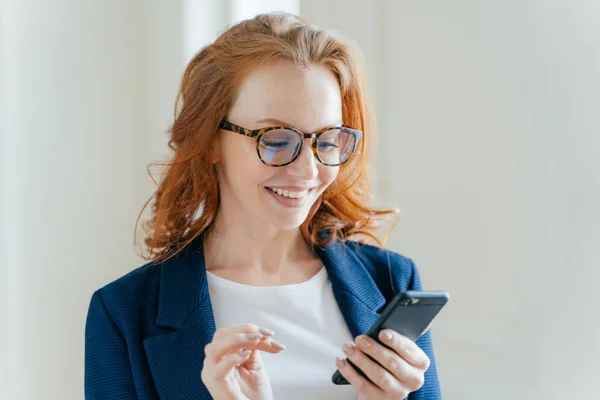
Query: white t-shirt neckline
{"points": [[316, 281]]}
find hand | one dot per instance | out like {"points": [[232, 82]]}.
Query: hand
{"points": [[401, 372], [233, 369]]}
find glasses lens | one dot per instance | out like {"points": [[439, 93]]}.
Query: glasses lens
{"points": [[279, 146], [336, 146]]}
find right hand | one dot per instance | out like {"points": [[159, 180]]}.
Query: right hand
{"points": [[233, 368]]}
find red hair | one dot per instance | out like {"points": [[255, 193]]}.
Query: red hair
{"points": [[207, 91]]}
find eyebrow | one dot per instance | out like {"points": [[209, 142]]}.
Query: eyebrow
{"points": [[276, 121]]}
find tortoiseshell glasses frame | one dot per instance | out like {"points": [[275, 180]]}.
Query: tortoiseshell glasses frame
{"points": [[258, 133]]}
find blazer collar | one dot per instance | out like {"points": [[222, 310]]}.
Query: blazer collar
{"points": [[183, 286], [176, 357]]}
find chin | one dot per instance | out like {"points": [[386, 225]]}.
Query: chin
{"points": [[288, 222]]}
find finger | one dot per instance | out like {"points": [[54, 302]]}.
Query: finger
{"points": [[362, 385], [269, 345], [378, 375], [229, 362], [405, 348], [409, 376], [235, 342], [244, 328]]}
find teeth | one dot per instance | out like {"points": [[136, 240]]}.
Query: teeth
{"points": [[289, 193]]}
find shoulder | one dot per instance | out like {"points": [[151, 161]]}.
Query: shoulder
{"points": [[131, 297], [385, 265], [378, 255], [134, 300], [139, 282]]}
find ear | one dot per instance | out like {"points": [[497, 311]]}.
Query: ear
{"points": [[215, 150]]}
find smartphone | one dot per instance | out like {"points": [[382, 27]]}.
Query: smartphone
{"points": [[409, 313]]}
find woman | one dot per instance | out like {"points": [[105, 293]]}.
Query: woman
{"points": [[256, 290]]}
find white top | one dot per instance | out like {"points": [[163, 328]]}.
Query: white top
{"points": [[305, 318]]}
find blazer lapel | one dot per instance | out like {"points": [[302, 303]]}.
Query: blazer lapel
{"points": [[176, 358], [356, 292]]}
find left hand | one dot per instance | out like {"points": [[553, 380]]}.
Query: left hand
{"points": [[401, 372]]}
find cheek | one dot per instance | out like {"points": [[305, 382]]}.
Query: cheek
{"points": [[243, 167], [328, 174]]}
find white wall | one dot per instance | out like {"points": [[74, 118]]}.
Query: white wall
{"points": [[489, 143], [88, 89]]}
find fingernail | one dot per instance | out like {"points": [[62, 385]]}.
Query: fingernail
{"points": [[339, 362], [278, 346], [348, 349], [386, 335], [245, 353], [266, 331], [253, 336], [363, 342]]}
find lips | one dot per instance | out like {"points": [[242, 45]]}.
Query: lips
{"points": [[291, 197], [292, 194]]}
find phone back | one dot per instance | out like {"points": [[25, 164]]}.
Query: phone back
{"points": [[410, 320]]}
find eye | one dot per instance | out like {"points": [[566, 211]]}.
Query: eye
{"points": [[275, 145], [325, 146]]}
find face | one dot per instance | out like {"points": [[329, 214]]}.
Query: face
{"points": [[278, 94]]}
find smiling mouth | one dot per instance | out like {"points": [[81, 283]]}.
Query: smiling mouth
{"points": [[291, 194]]}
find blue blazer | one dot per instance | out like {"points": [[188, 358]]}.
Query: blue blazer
{"points": [[145, 332]]}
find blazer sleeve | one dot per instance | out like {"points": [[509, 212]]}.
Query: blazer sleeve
{"points": [[431, 388], [107, 370]]}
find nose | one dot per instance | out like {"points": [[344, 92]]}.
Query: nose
{"points": [[305, 166]]}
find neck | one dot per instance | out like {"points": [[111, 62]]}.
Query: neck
{"points": [[256, 249]]}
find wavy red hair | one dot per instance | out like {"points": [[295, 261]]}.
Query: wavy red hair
{"points": [[208, 89]]}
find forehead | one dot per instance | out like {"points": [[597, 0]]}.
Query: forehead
{"points": [[308, 99]]}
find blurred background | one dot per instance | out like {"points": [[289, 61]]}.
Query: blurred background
{"points": [[489, 121]]}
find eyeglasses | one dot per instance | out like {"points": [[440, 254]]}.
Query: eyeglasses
{"points": [[278, 146]]}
